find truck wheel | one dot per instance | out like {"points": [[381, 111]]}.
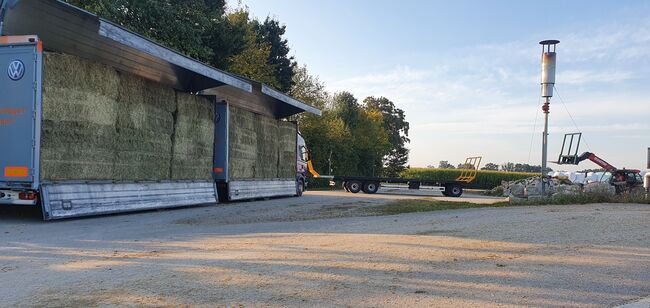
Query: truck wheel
{"points": [[370, 187], [454, 190], [346, 187], [300, 187], [354, 186]]}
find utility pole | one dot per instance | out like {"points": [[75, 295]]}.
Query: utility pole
{"points": [[548, 82]]}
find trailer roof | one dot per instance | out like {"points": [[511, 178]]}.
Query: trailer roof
{"points": [[68, 29]]}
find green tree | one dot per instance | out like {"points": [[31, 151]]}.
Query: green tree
{"points": [[308, 88], [395, 124], [346, 107], [491, 166], [252, 60], [444, 164], [509, 167], [271, 33], [349, 134], [178, 24]]}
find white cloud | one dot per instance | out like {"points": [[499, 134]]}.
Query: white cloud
{"points": [[582, 77], [484, 99]]}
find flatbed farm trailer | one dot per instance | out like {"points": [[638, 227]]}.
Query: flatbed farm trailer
{"points": [[454, 188]]}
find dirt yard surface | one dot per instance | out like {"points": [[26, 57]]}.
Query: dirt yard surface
{"points": [[317, 251]]}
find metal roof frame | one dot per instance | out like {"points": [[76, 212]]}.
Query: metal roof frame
{"points": [[68, 29]]}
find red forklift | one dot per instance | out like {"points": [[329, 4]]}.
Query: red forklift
{"points": [[624, 180]]}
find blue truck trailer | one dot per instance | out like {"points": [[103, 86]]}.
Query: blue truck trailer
{"points": [[189, 175]]}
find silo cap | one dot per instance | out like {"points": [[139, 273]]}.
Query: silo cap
{"points": [[549, 42]]}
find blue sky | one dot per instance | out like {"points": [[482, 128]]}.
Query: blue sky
{"points": [[467, 72]]}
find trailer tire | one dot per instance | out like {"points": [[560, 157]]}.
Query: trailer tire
{"points": [[354, 186], [454, 190], [300, 187], [370, 187]]}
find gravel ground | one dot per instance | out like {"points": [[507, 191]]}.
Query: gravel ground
{"points": [[316, 251]]}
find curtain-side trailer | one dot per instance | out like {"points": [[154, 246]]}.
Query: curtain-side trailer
{"points": [[99, 151]]}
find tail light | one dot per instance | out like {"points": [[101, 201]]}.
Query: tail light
{"points": [[27, 195]]}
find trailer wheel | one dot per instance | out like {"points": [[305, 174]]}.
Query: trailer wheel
{"points": [[453, 190], [354, 186], [370, 187], [300, 187]]}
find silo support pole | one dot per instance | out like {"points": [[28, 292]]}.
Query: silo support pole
{"points": [[545, 109]]}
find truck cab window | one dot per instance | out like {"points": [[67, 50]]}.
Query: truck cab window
{"points": [[303, 153]]}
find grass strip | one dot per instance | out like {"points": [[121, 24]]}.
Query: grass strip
{"points": [[587, 198], [425, 205]]}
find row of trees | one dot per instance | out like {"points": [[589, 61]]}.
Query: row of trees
{"points": [[351, 138], [506, 167], [204, 30]]}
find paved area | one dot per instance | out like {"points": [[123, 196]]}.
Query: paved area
{"points": [[316, 251]]}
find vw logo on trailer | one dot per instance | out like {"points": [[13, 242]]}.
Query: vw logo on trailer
{"points": [[16, 70]]}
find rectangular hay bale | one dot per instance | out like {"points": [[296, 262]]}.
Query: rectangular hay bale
{"points": [[242, 147], [193, 139], [79, 111], [287, 147], [144, 126], [260, 147]]}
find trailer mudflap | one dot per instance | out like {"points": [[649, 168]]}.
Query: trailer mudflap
{"points": [[66, 200]]}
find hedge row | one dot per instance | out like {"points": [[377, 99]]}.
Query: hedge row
{"points": [[484, 179]]}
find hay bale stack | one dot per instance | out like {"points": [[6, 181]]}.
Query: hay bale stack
{"points": [[267, 147], [99, 124], [242, 148], [193, 140], [260, 147], [79, 113], [144, 125], [287, 132]]}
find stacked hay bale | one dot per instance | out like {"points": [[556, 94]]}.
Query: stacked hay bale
{"points": [[193, 141], [99, 124], [266, 164], [260, 147], [145, 125], [287, 149], [242, 147], [80, 105]]}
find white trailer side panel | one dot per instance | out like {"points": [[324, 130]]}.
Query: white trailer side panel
{"points": [[68, 200]]}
